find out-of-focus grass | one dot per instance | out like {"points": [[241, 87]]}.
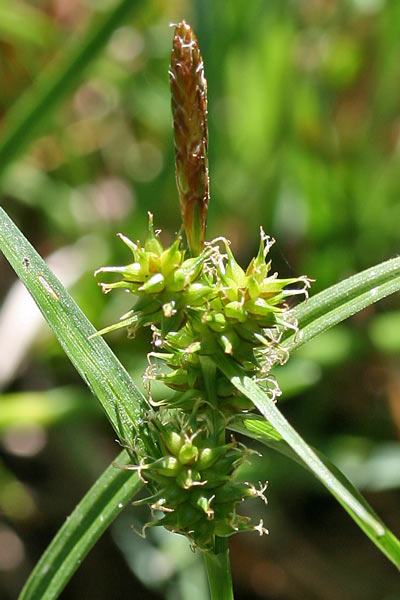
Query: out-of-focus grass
{"points": [[304, 104]]}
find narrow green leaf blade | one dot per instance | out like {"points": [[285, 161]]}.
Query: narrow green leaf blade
{"points": [[268, 409], [315, 316], [124, 404], [341, 301], [113, 490], [257, 428]]}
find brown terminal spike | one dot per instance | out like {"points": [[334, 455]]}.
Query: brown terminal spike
{"points": [[189, 110]]}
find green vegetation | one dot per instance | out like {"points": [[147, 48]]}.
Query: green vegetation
{"points": [[303, 120]]}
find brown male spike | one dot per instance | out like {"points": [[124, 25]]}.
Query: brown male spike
{"points": [[189, 110]]}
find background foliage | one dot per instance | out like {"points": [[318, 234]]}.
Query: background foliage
{"points": [[304, 102]]}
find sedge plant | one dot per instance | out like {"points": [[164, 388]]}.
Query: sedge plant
{"points": [[198, 303], [217, 331]]}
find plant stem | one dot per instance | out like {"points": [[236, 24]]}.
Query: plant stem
{"points": [[219, 570], [35, 105], [209, 371], [217, 563]]}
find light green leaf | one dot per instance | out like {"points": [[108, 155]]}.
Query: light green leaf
{"points": [[249, 388], [341, 301], [256, 427], [113, 490], [123, 403]]}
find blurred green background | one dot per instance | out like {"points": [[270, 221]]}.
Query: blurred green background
{"points": [[304, 139]]}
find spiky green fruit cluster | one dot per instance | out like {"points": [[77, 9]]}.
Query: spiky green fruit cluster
{"points": [[196, 491], [198, 307], [164, 282], [244, 315]]}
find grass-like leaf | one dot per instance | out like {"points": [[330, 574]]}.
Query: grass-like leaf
{"points": [[341, 301], [256, 427], [35, 105], [98, 508], [123, 403], [249, 388]]}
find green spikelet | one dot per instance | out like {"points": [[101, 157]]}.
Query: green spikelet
{"points": [[197, 493], [189, 110]]}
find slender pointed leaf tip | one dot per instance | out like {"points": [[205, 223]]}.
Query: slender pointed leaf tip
{"points": [[189, 110]]}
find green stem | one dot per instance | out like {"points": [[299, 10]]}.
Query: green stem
{"points": [[217, 563], [209, 372], [219, 570], [35, 105]]}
